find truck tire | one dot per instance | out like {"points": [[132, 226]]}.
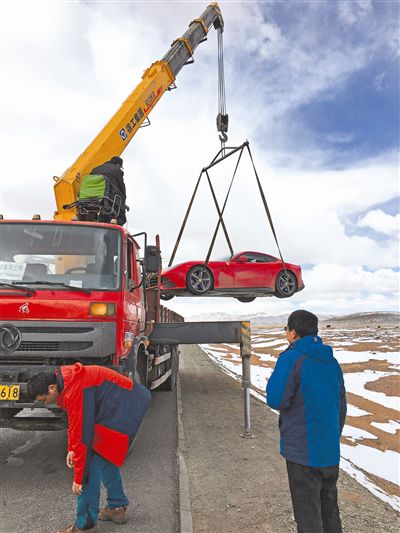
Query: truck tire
{"points": [[141, 368], [136, 378], [170, 383]]}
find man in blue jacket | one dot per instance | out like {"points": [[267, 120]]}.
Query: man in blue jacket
{"points": [[307, 388]]}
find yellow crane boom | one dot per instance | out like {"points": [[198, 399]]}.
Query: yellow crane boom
{"points": [[119, 131]]}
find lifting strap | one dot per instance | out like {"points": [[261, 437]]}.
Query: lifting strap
{"points": [[266, 208], [221, 156]]}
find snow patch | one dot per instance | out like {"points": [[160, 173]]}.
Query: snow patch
{"points": [[354, 433], [381, 464], [352, 410], [355, 382], [347, 356], [390, 427]]}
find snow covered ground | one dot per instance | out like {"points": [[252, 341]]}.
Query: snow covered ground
{"points": [[370, 360]]}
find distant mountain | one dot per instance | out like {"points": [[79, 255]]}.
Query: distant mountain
{"points": [[259, 319], [256, 319], [374, 317]]}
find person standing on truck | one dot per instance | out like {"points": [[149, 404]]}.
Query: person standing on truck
{"points": [[114, 171], [104, 411], [307, 388]]}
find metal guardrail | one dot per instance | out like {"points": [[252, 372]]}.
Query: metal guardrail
{"points": [[212, 333]]}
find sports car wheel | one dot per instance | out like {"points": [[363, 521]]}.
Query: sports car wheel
{"points": [[166, 297], [285, 284], [246, 299], [199, 280]]}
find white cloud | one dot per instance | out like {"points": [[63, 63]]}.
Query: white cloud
{"points": [[381, 222], [353, 281], [379, 81], [352, 11], [66, 74], [340, 138]]}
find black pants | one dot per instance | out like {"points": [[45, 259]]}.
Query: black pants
{"points": [[314, 498]]}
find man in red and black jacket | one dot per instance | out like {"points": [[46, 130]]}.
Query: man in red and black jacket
{"points": [[104, 410]]}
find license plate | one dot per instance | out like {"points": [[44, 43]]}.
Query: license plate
{"points": [[9, 392]]}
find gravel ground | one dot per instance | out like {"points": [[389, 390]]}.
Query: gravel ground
{"points": [[240, 485]]}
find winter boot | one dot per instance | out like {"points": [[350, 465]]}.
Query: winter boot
{"points": [[117, 515]]}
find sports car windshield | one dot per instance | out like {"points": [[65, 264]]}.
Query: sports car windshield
{"points": [[72, 255]]}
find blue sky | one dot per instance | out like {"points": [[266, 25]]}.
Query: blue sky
{"points": [[312, 85], [355, 128], [349, 108]]}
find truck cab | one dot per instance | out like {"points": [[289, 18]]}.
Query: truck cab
{"points": [[68, 286]]}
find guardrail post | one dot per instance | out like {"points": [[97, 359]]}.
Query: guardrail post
{"points": [[245, 352]]}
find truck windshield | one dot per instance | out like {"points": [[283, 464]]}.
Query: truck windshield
{"points": [[87, 257]]}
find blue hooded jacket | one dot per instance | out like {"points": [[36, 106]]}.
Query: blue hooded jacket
{"points": [[307, 388]]}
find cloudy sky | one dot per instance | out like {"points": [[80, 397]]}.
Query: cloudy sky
{"points": [[312, 85]]}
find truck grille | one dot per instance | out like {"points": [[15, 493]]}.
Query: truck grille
{"points": [[56, 329], [54, 346], [56, 339]]}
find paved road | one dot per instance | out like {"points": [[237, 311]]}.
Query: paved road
{"points": [[35, 482]]}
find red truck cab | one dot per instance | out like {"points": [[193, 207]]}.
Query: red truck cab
{"points": [[74, 288]]}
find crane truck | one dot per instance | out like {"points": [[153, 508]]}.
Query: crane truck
{"points": [[74, 291]]}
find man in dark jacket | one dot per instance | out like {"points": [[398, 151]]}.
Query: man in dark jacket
{"points": [[115, 173], [307, 388], [104, 411]]}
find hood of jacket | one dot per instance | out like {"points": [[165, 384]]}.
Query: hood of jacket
{"points": [[313, 347], [65, 375]]}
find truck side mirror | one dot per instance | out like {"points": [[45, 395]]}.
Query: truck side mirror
{"points": [[152, 260]]}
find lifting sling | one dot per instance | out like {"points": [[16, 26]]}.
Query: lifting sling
{"points": [[223, 154]]}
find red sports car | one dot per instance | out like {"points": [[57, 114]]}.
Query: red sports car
{"points": [[244, 276]]}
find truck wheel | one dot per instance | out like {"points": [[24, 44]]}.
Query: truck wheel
{"points": [[170, 383], [139, 374], [135, 377], [141, 367]]}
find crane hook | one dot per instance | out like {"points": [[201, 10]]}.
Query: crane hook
{"points": [[223, 137]]}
